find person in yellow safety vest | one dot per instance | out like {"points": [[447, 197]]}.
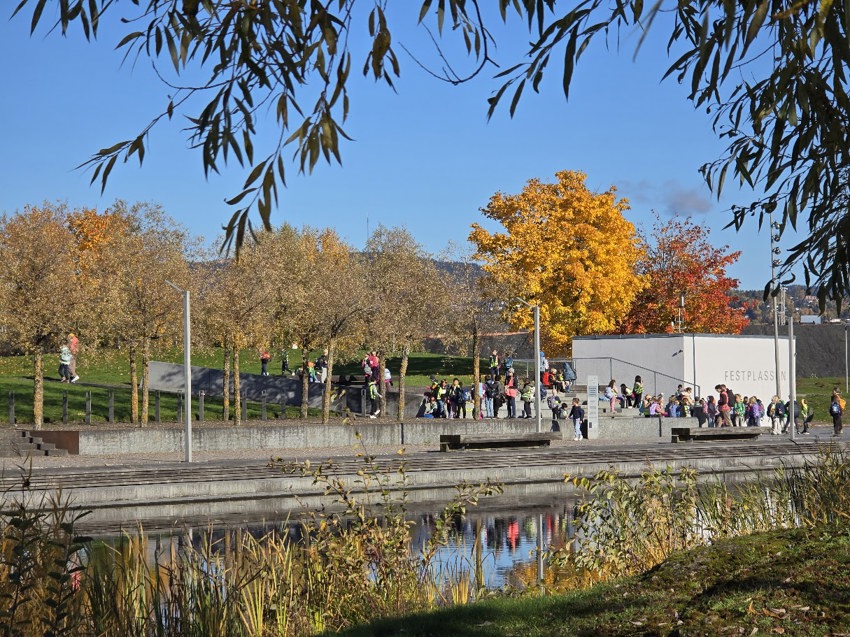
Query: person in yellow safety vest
{"points": [[374, 396]]}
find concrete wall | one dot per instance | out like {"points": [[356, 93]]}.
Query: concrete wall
{"points": [[298, 436], [744, 363]]}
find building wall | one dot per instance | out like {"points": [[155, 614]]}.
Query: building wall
{"points": [[744, 363]]}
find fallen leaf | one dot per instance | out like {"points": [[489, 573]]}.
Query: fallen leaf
{"points": [[779, 630]]}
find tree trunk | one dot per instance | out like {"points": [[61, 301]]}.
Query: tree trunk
{"points": [[225, 388], [146, 368], [305, 383], [402, 375], [326, 397], [134, 387], [476, 372], [237, 389], [37, 390]]}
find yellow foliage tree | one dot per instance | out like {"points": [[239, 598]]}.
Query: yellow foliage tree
{"points": [[565, 248]]}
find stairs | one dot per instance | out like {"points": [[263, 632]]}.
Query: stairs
{"points": [[19, 443]]}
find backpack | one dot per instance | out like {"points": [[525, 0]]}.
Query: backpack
{"points": [[780, 409], [553, 402], [489, 389], [835, 409], [465, 396]]}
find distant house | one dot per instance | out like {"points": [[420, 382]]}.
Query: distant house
{"points": [[811, 319]]}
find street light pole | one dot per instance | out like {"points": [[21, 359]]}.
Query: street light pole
{"points": [[187, 369], [774, 262], [537, 381]]}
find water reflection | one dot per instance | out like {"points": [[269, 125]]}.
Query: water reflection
{"points": [[496, 544], [507, 539]]}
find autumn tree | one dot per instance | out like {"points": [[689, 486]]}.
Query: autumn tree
{"points": [[40, 291], [472, 311], [565, 248], [400, 316], [681, 263], [239, 302], [314, 314], [341, 302], [145, 249]]}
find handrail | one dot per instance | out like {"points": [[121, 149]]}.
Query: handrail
{"points": [[611, 359]]}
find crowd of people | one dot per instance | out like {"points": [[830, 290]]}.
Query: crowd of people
{"points": [[727, 409]]}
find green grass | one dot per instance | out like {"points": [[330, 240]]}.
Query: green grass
{"points": [[783, 582], [108, 371], [818, 393]]}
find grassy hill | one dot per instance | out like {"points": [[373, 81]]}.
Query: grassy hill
{"points": [[790, 582]]}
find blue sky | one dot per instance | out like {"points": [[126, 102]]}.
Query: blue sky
{"points": [[425, 157]]}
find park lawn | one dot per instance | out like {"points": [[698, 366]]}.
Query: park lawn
{"points": [[788, 582], [818, 393], [108, 371]]}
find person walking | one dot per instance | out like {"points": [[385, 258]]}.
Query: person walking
{"points": [[265, 357], [64, 364], [74, 348], [374, 395], [836, 412], [576, 416]]}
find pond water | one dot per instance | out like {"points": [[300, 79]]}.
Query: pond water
{"points": [[508, 539]]}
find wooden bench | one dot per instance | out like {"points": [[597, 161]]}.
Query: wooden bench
{"points": [[690, 434], [449, 442]]}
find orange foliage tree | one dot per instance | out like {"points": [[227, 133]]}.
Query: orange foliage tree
{"points": [[565, 248], [680, 261]]}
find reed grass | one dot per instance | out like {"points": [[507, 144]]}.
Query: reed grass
{"points": [[355, 562]]}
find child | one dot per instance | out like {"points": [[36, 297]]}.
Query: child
{"points": [[577, 416], [554, 403], [64, 364], [373, 396], [527, 396]]}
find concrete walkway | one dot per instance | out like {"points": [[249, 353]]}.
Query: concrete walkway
{"points": [[220, 487]]}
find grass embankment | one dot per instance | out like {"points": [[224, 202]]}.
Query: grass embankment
{"points": [[789, 582], [108, 371]]}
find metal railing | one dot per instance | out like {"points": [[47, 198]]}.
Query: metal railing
{"points": [[627, 370]]}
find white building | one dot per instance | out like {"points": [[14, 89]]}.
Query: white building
{"points": [[745, 364]]}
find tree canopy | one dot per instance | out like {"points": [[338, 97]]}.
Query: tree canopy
{"points": [[771, 72], [566, 249], [680, 263]]}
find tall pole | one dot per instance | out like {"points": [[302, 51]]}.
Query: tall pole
{"points": [[774, 261], [187, 370], [846, 367], [537, 381], [792, 373]]}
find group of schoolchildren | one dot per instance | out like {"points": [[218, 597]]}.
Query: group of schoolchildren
{"points": [[444, 400], [727, 410]]}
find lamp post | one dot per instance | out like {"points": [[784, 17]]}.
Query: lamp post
{"points": [[187, 369], [536, 311], [774, 262], [792, 374], [846, 368]]}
